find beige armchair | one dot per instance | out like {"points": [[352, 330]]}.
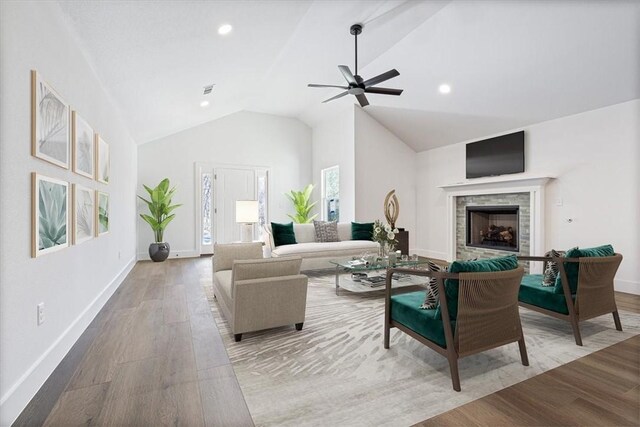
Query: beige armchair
{"points": [[255, 293]]}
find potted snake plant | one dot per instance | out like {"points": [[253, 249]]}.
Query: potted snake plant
{"points": [[161, 209]]}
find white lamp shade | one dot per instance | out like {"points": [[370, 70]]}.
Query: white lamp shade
{"points": [[246, 211]]}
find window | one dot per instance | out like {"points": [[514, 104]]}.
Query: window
{"points": [[207, 198], [262, 185], [330, 194]]}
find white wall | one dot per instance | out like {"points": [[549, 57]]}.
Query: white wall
{"points": [[383, 162], [333, 144], [75, 282], [595, 158], [245, 138]]}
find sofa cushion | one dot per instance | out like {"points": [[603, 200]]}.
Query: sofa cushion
{"points": [[225, 253], [326, 249], [405, 309], [265, 268], [361, 231], [326, 231], [344, 231], [224, 279], [533, 292], [572, 268], [283, 234], [305, 233], [480, 266]]}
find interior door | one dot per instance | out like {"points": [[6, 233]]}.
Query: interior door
{"points": [[230, 185]]}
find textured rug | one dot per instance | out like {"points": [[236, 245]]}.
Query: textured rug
{"points": [[336, 371]]}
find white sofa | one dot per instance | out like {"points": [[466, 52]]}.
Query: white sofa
{"points": [[316, 255]]}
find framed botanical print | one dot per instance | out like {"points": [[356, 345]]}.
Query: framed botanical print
{"points": [[103, 161], [50, 130], [84, 213], [102, 213], [82, 137], [49, 214]]}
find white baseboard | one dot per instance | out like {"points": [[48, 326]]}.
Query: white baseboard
{"points": [[144, 256], [19, 394], [627, 286], [429, 254]]}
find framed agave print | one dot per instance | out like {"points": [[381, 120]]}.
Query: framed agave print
{"points": [[49, 215], [84, 213], [83, 146], [50, 130], [103, 162], [102, 213]]}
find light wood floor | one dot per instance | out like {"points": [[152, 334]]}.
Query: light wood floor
{"points": [[601, 389], [154, 356]]}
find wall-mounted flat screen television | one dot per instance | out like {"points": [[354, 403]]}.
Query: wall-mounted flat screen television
{"points": [[496, 156]]}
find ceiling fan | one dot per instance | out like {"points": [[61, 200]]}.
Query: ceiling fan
{"points": [[357, 85]]}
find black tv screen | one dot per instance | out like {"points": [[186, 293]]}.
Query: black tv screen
{"points": [[496, 156]]}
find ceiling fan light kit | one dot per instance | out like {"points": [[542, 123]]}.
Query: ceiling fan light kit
{"points": [[357, 86]]}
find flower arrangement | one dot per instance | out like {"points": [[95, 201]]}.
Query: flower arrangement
{"points": [[385, 235]]}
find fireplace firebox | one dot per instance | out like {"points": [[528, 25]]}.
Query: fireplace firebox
{"points": [[493, 227]]}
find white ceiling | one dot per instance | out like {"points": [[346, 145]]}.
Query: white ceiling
{"points": [[510, 64]]}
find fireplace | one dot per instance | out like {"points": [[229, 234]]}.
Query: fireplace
{"points": [[493, 227]]}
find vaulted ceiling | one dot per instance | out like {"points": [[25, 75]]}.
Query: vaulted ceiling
{"points": [[509, 64]]}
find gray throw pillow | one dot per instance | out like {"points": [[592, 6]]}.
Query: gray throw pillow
{"points": [[551, 268], [431, 298], [326, 231]]}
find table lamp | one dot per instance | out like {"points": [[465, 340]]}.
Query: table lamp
{"points": [[246, 215]]}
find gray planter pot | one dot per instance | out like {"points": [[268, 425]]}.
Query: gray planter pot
{"points": [[159, 251]]}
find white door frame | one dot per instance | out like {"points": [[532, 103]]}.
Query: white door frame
{"points": [[198, 168]]}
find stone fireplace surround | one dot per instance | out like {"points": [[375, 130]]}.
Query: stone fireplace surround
{"points": [[526, 191]]}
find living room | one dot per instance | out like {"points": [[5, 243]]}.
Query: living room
{"points": [[563, 73]]}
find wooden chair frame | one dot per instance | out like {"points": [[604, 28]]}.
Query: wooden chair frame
{"points": [[452, 351], [598, 308]]}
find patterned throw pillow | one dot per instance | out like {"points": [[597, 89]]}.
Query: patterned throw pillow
{"points": [[326, 231], [551, 268], [431, 298]]}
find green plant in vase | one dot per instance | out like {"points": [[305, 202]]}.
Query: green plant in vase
{"points": [[161, 209], [385, 235], [302, 203]]}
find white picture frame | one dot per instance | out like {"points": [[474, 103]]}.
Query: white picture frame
{"points": [[103, 160], [102, 213]]}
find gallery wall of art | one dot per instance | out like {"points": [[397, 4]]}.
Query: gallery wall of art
{"points": [[67, 192]]}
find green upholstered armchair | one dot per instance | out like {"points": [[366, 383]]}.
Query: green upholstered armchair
{"points": [[485, 308], [584, 288]]}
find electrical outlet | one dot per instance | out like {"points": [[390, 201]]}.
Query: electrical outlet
{"points": [[40, 313]]}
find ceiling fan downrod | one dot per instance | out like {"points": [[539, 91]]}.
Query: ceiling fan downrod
{"points": [[355, 30]]}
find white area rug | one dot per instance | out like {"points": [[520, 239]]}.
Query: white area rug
{"points": [[336, 371]]}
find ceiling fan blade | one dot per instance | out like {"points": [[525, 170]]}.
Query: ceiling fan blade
{"points": [[381, 78], [339, 87], [348, 75], [383, 90], [362, 100], [336, 97]]}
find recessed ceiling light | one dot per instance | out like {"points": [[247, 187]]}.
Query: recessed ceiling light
{"points": [[225, 29], [444, 88], [204, 104]]}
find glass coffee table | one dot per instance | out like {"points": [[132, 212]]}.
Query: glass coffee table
{"points": [[371, 276]]}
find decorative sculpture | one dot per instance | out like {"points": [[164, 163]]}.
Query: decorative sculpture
{"points": [[391, 208]]}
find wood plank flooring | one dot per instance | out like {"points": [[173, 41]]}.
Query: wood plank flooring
{"points": [[153, 356], [601, 389]]}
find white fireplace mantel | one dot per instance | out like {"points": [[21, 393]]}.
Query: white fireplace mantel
{"points": [[534, 185]]}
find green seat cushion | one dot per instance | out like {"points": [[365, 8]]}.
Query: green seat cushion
{"points": [[361, 231], [572, 268], [405, 309], [505, 263], [532, 292], [283, 234]]}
